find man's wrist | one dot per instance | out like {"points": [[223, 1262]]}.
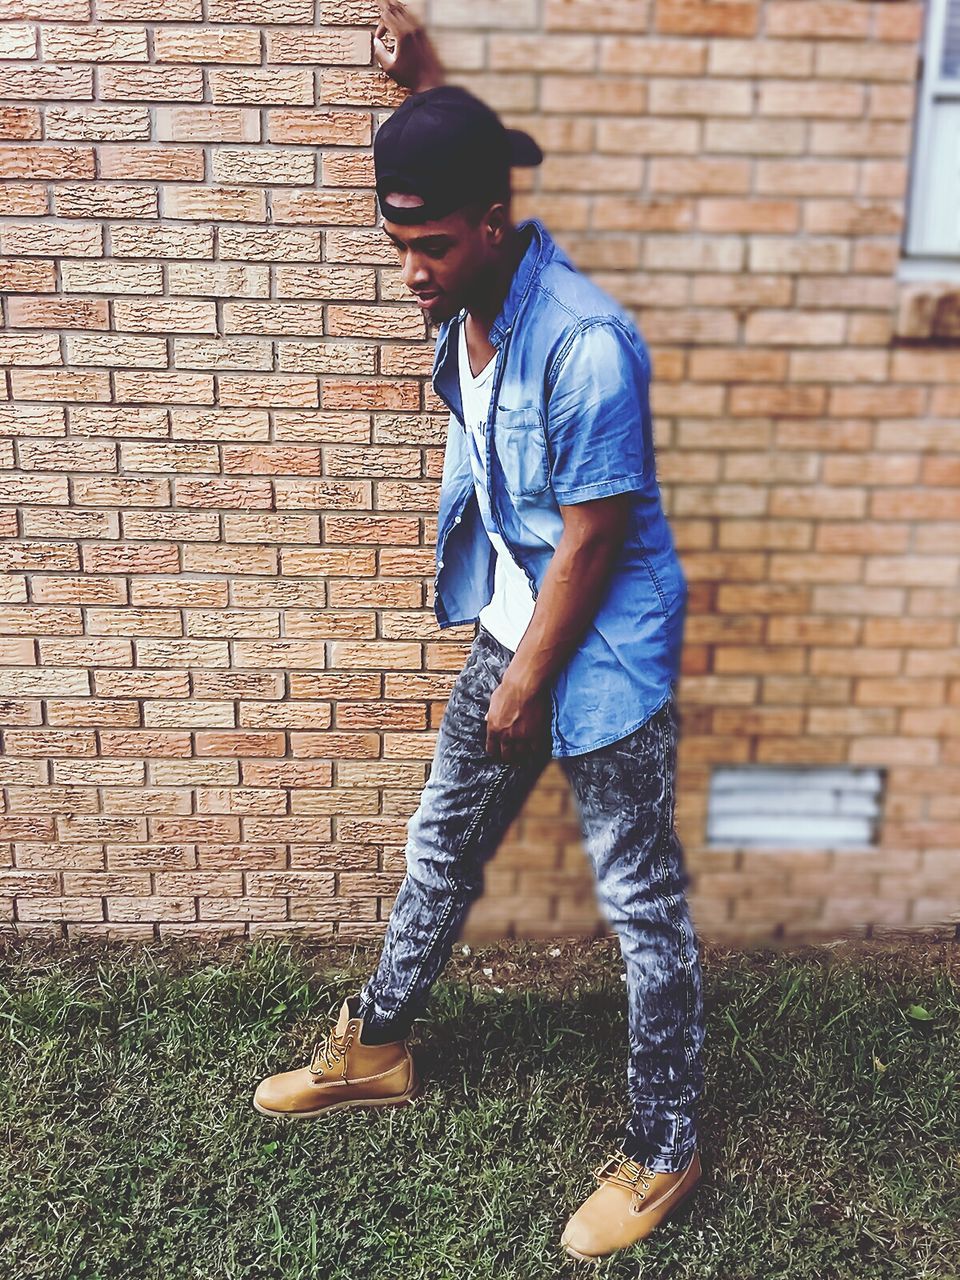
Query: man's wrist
{"points": [[526, 682], [431, 81]]}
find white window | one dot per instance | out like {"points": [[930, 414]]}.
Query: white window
{"points": [[819, 806], [933, 224]]}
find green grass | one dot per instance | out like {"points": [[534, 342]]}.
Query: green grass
{"points": [[130, 1148]]}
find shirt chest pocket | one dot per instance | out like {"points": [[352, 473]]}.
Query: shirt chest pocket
{"points": [[522, 449]]}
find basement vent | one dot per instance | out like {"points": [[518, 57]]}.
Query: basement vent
{"points": [[789, 805]]}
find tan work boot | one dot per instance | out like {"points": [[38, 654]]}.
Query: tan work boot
{"points": [[342, 1072], [629, 1202]]}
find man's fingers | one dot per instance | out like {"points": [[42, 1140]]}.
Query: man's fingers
{"points": [[385, 58], [391, 18], [504, 753], [405, 20]]}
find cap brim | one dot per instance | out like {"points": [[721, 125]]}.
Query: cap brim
{"points": [[524, 150]]}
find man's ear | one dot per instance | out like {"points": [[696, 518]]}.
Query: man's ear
{"points": [[498, 221]]}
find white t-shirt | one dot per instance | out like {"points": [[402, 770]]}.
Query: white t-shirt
{"points": [[507, 615]]}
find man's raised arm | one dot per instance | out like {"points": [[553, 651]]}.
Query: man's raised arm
{"points": [[413, 62]]}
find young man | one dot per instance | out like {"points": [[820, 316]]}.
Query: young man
{"points": [[552, 536]]}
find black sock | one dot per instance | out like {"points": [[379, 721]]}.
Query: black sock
{"points": [[371, 1033]]}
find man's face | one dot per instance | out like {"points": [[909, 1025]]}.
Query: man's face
{"points": [[447, 259]]}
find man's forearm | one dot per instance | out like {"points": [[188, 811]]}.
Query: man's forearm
{"points": [[430, 81], [573, 586]]}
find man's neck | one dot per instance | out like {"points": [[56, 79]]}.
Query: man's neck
{"points": [[484, 312]]}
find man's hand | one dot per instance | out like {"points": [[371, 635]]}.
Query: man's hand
{"points": [[413, 62], [576, 580], [518, 722]]}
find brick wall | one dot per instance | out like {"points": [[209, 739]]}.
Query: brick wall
{"points": [[221, 674]]}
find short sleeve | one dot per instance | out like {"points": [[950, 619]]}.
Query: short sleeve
{"points": [[598, 415]]}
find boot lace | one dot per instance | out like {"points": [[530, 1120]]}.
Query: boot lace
{"points": [[625, 1172], [328, 1050]]}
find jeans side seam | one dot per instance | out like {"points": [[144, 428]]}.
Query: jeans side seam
{"points": [[455, 889], [672, 912], [493, 787]]}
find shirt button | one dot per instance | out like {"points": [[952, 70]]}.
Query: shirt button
{"points": [[439, 564], [456, 519]]}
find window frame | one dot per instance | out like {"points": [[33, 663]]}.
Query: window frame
{"points": [[920, 261]]}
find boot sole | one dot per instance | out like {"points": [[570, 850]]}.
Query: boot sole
{"points": [[394, 1100], [683, 1199]]}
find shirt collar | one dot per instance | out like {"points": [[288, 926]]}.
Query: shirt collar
{"points": [[445, 377], [536, 254], [529, 266]]}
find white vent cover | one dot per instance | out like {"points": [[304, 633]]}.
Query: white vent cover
{"points": [[793, 805]]}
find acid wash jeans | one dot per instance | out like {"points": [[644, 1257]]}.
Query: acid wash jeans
{"points": [[625, 796]]}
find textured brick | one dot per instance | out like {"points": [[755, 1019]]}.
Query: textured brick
{"points": [[153, 84], [94, 43], [708, 17], [206, 45], [40, 82], [20, 122], [817, 18], [322, 46], [206, 124], [589, 95], [97, 124], [321, 128], [266, 87], [18, 40], [46, 162], [765, 57]]}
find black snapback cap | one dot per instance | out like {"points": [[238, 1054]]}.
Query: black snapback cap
{"points": [[445, 146]]}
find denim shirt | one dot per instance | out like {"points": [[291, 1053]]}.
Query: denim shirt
{"points": [[569, 420]]}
